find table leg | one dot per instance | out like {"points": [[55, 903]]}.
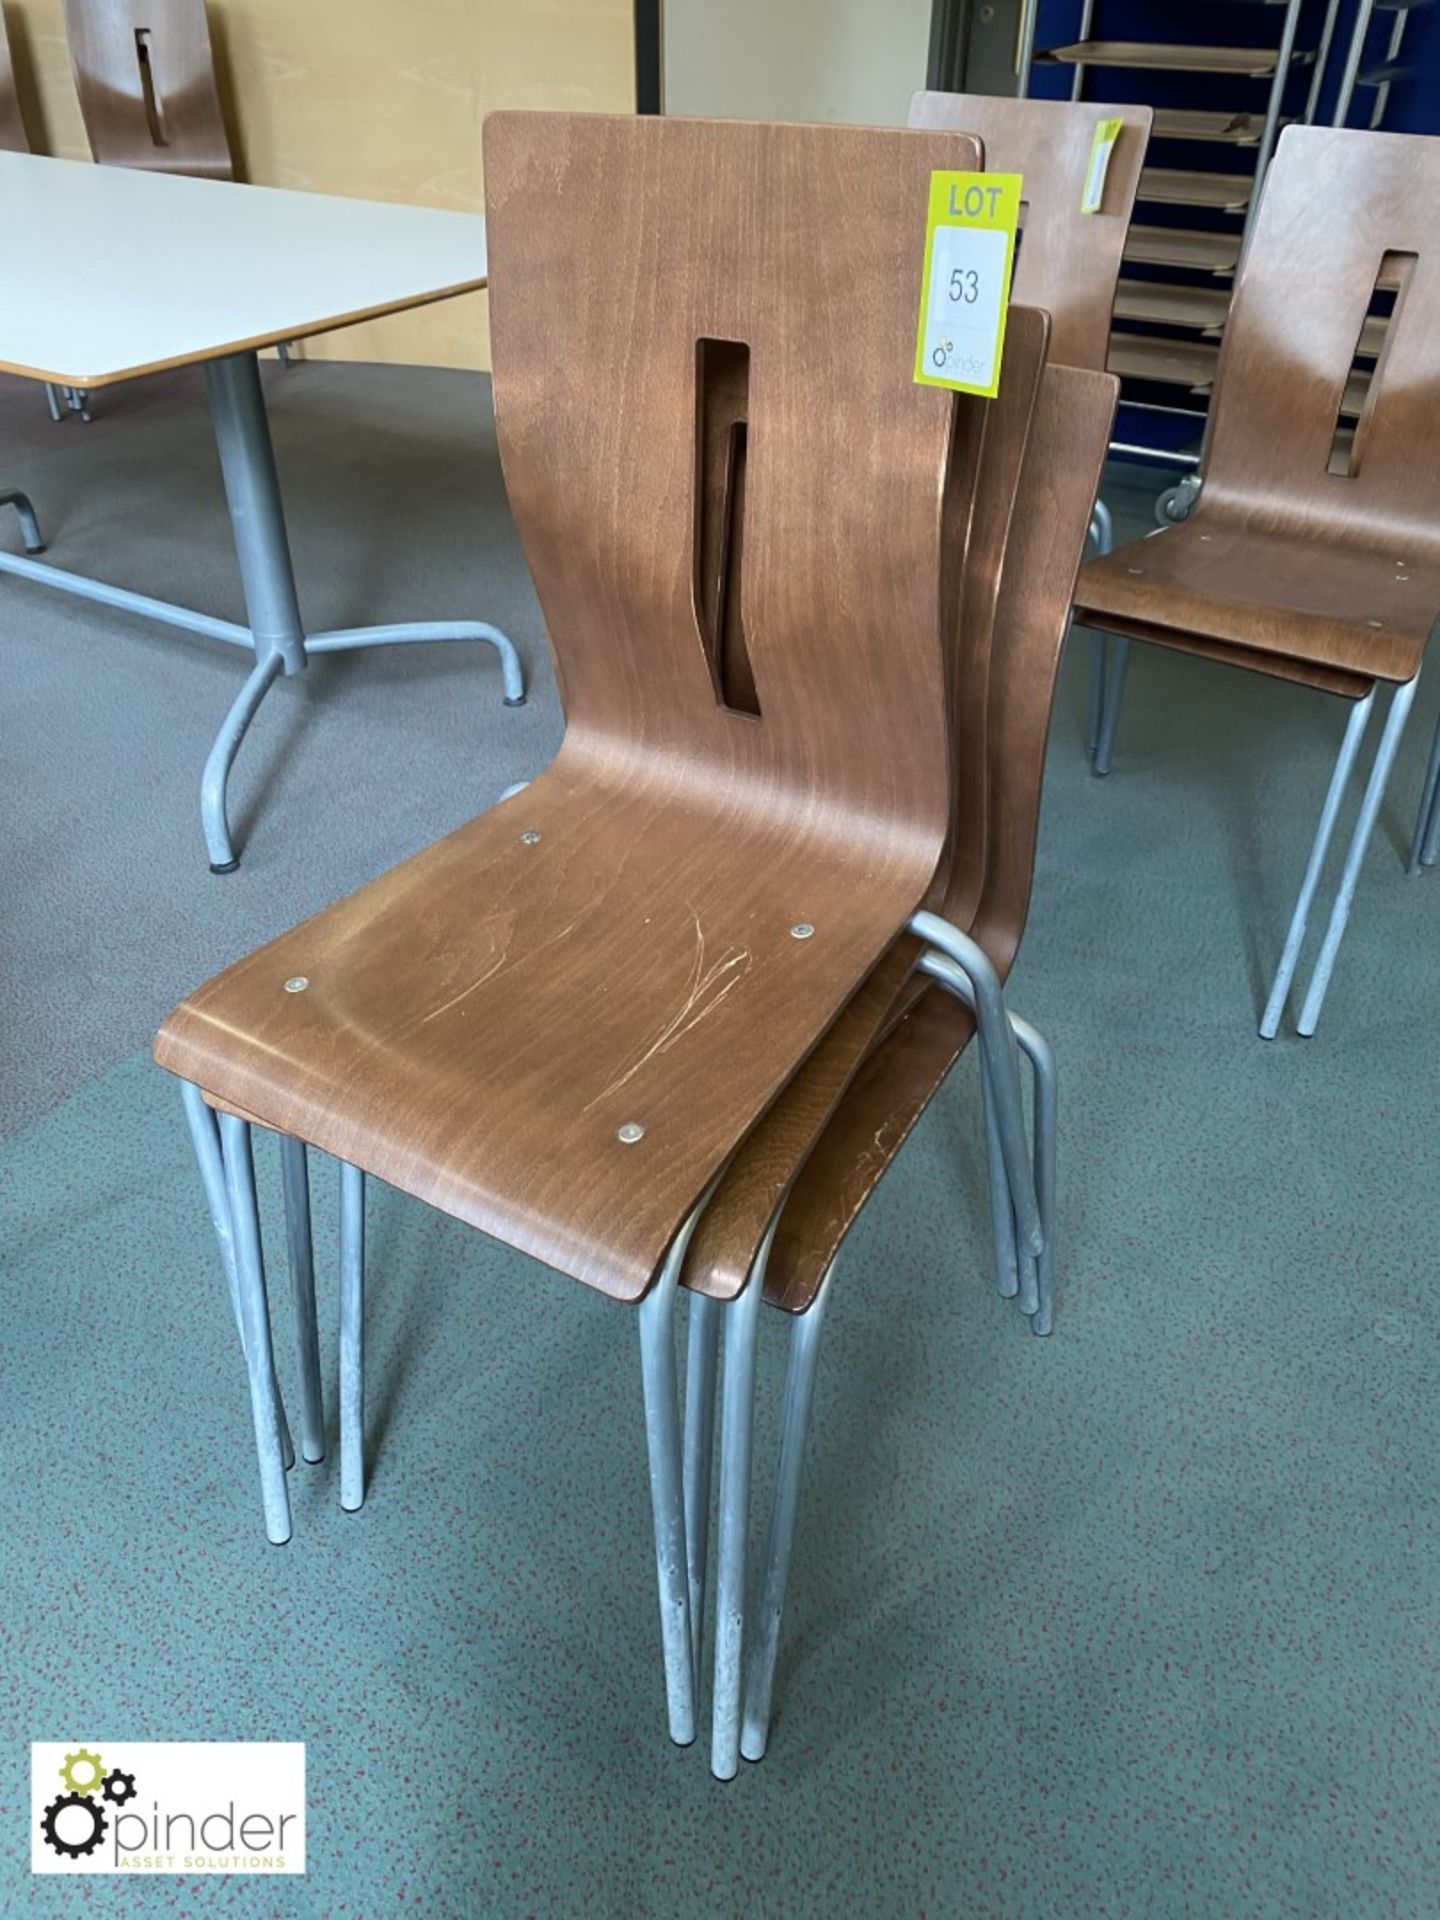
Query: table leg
{"points": [[29, 526], [257, 519], [262, 548], [275, 634]]}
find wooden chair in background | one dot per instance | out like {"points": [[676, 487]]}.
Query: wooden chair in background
{"points": [[559, 1023], [15, 139], [13, 135], [145, 77], [1068, 262], [1313, 555], [145, 74]]}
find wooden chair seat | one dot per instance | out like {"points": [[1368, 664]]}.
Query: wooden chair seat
{"points": [[1301, 673], [1352, 609], [479, 1025], [881, 1107]]}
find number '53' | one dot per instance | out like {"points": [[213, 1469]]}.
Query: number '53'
{"points": [[965, 285]]}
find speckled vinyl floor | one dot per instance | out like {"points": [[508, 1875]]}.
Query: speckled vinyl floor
{"points": [[1138, 1622]]}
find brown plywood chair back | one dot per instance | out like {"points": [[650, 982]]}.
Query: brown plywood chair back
{"points": [[1343, 212], [1069, 435], [986, 468], [145, 75], [13, 137], [688, 276], [1068, 261]]}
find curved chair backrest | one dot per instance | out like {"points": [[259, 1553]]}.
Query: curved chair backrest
{"points": [[145, 75], [986, 472], [13, 137], [1069, 261], [768, 270], [1344, 211]]}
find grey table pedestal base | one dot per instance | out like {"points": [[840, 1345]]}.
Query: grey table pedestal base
{"points": [[276, 636]]}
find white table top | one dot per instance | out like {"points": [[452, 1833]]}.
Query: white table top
{"points": [[106, 272]]}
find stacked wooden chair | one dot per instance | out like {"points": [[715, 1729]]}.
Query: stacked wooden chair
{"points": [[145, 75], [1068, 262], [1313, 554], [805, 615]]}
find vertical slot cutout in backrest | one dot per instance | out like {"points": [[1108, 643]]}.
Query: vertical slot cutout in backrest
{"points": [[1368, 362], [154, 119], [722, 379]]}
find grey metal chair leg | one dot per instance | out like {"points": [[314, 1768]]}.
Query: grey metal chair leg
{"points": [[656, 1316], [259, 1357], [737, 1426], [1401, 702], [1114, 694], [996, 1037], [205, 1138], [1102, 538], [702, 1357], [1002, 1210], [1036, 1286], [52, 400], [805, 1333], [352, 1337], [295, 1177], [30, 535], [1037, 1050], [1355, 725], [1430, 850], [1425, 847]]}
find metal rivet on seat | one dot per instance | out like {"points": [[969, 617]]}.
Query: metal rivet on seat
{"points": [[801, 930], [631, 1132], [297, 984], [1375, 623], [529, 837]]}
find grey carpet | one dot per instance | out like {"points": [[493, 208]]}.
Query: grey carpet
{"points": [[396, 511], [1138, 1622]]}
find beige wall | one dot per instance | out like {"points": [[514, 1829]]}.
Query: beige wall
{"points": [[378, 98], [856, 60]]}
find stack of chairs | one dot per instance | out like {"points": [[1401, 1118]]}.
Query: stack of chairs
{"points": [[662, 1019], [1313, 554]]}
